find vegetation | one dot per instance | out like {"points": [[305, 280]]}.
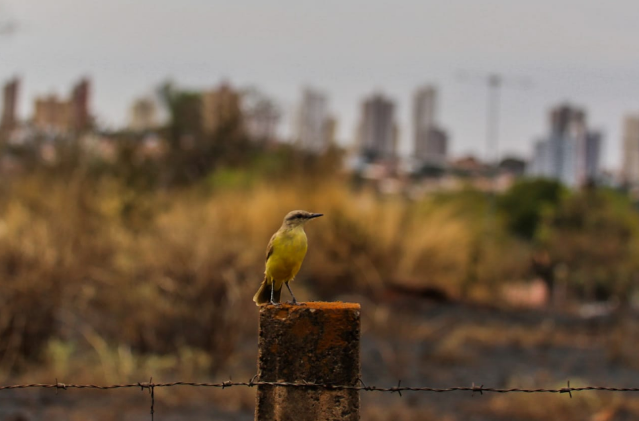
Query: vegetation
{"points": [[149, 263], [71, 244], [524, 204]]}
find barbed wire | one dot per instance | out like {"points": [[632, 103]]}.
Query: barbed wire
{"points": [[329, 386], [361, 386]]}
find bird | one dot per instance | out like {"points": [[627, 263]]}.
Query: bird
{"points": [[284, 256]]}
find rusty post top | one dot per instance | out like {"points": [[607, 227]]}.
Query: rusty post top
{"points": [[309, 342], [315, 305]]}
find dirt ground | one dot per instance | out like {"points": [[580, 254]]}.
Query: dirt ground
{"points": [[424, 344]]}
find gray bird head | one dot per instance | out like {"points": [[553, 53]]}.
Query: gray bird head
{"points": [[299, 217]]}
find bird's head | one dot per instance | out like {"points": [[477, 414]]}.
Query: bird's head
{"points": [[297, 218]]}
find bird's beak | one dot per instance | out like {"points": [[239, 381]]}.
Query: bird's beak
{"points": [[315, 215]]}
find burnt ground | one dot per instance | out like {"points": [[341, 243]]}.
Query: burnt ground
{"points": [[423, 343]]}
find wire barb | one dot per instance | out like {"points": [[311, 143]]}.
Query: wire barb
{"points": [[567, 390], [152, 393], [398, 389], [59, 386], [479, 389], [228, 383], [252, 380]]}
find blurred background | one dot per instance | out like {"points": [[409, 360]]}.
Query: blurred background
{"points": [[477, 164]]}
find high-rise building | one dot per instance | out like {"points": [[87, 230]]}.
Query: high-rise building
{"points": [[58, 115], [330, 131], [143, 115], [436, 147], [541, 163], [79, 103], [221, 106], [312, 121], [588, 157], [52, 114], [430, 140], [571, 153], [10, 99], [424, 108], [378, 130], [630, 165]]}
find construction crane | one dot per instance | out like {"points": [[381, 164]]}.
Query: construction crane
{"points": [[494, 83]]}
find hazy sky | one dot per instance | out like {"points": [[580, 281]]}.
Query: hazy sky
{"points": [[583, 51]]}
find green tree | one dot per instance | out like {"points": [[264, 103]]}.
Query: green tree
{"points": [[183, 108], [523, 205], [594, 234]]}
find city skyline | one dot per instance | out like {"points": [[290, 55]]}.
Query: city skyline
{"points": [[586, 58], [314, 129]]}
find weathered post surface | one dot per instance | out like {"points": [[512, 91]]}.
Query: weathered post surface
{"points": [[316, 343]]}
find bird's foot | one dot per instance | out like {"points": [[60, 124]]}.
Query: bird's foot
{"points": [[295, 303], [273, 303]]}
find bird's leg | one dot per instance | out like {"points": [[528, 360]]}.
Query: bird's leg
{"points": [[289, 290], [272, 295]]}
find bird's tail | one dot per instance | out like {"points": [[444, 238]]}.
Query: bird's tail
{"points": [[263, 295]]}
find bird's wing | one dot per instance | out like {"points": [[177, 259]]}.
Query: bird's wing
{"points": [[269, 248]]}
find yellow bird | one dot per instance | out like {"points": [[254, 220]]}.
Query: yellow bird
{"points": [[284, 256]]}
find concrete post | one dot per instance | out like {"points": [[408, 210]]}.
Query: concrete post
{"points": [[314, 342]]}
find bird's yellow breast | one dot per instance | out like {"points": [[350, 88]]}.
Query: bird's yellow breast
{"points": [[289, 250]]}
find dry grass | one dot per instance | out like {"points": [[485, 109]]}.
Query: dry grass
{"points": [[400, 412], [592, 407], [94, 271], [103, 283]]}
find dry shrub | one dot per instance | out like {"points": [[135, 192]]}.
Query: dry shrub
{"points": [[51, 240], [98, 264]]}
